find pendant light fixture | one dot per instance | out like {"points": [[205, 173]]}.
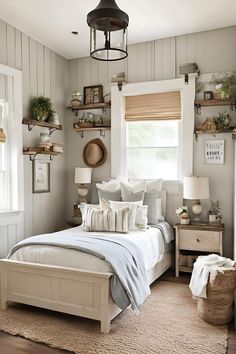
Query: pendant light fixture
{"points": [[108, 31]]}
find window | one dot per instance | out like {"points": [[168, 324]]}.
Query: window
{"points": [[11, 162], [126, 114], [4, 161], [153, 149]]}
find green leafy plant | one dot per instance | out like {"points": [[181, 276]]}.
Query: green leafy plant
{"points": [[199, 86], [223, 120], [41, 108], [215, 207], [225, 85]]}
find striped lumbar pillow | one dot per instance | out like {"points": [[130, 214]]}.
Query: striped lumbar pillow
{"points": [[98, 219]]}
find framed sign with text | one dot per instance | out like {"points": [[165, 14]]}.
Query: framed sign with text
{"points": [[214, 152]]}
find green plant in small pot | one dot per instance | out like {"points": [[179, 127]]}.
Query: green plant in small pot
{"points": [[223, 120], [41, 108], [214, 212], [226, 85]]}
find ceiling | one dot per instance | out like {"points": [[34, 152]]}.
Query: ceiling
{"points": [[51, 21]]}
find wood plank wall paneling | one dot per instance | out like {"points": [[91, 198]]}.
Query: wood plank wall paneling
{"points": [[155, 60], [43, 73]]}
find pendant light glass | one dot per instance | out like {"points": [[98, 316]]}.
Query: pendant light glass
{"points": [[108, 31]]}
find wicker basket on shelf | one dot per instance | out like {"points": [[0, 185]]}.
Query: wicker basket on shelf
{"points": [[217, 309]]}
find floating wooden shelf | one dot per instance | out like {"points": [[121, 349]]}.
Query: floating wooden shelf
{"points": [[33, 122], [219, 131], [32, 152], [91, 106], [83, 107], [210, 103], [81, 131]]}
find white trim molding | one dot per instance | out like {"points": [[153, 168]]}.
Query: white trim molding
{"points": [[14, 85], [118, 124]]}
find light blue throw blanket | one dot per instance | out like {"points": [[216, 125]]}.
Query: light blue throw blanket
{"points": [[129, 283]]}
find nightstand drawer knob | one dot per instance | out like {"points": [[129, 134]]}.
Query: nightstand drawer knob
{"points": [[198, 240]]}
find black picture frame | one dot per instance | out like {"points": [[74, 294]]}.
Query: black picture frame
{"points": [[41, 176], [93, 94], [208, 95]]}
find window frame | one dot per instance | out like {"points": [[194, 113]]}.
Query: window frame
{"points": [[119, 127], [14, 136]]}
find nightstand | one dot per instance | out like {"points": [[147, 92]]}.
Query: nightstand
{"points": [[194, 240], [77, 217]]}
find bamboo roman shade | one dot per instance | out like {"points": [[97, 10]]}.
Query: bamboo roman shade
{"points": [[154, 106]]}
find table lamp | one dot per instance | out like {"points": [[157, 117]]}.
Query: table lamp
{"points": [[196, 188], [83, 177]]}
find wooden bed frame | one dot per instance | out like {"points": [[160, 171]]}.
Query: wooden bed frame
{"points": [[69, 290]]}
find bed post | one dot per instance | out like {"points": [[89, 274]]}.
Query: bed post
{"points": [[105, 313], [3, 286]]}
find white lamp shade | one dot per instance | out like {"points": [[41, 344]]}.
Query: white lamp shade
{"points": [[83, 175], [196, 188]]}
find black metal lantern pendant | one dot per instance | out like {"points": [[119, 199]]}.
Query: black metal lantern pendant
{"points": [[108, 31]]}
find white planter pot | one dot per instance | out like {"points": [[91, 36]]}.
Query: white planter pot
{"points": [[212, 218]]}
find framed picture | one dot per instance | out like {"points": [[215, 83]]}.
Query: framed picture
{"points": [[208, 95], [93, 94], [214, 152], [41, 176]]}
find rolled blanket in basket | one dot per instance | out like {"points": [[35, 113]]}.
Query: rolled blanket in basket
{"points": [[204, 266]]}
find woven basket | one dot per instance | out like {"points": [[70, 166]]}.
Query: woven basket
{"points": [[217, 309]]}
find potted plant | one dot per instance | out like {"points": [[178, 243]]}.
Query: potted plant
{"points": [[223, 120], [214, 212], [86, 121], [183, 214], [225, 85], [41, 108]]}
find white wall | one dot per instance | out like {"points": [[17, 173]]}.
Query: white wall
{"points": [[213, 51], [43, 73]]}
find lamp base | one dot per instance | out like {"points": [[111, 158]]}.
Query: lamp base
{"points": [[197, 210], [82, 193]]}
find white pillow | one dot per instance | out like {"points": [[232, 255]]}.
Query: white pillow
{"points": [[133, 207], [84, 208], [141, 217], [111, 186], [131, 193], [154, 203]]}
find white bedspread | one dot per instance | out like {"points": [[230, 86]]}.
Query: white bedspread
{"points": [[150, 242]]}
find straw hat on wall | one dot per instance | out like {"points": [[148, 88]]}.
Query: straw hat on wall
{"points": [[94, 153]]}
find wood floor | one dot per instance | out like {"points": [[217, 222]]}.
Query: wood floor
{"points": [[17, 345]]}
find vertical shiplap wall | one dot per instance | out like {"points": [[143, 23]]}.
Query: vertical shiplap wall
{"points": [[213, 51], [43, 73]]}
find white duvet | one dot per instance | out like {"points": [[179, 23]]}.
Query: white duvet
{"points": [[150, 243]]}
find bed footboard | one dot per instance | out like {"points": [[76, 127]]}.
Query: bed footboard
{"points": [[68, 290]]}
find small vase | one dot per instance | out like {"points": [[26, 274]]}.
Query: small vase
{"points": [[184, 221]]}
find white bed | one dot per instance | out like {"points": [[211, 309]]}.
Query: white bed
{"points": [[75, 282]]}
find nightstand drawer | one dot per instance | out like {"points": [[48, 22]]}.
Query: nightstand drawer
{"points": [[195, 240]]}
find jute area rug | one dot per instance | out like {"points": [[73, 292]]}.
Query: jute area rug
{"points": [[168, 324]]}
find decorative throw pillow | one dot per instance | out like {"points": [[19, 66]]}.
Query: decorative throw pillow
{"points": [[84, 208], [102, 194], [130, 194], [153, 201], [133, 208], [107, 220], [141, 217]]}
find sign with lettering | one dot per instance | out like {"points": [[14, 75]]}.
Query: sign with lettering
{"points": [[214, 151]]}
